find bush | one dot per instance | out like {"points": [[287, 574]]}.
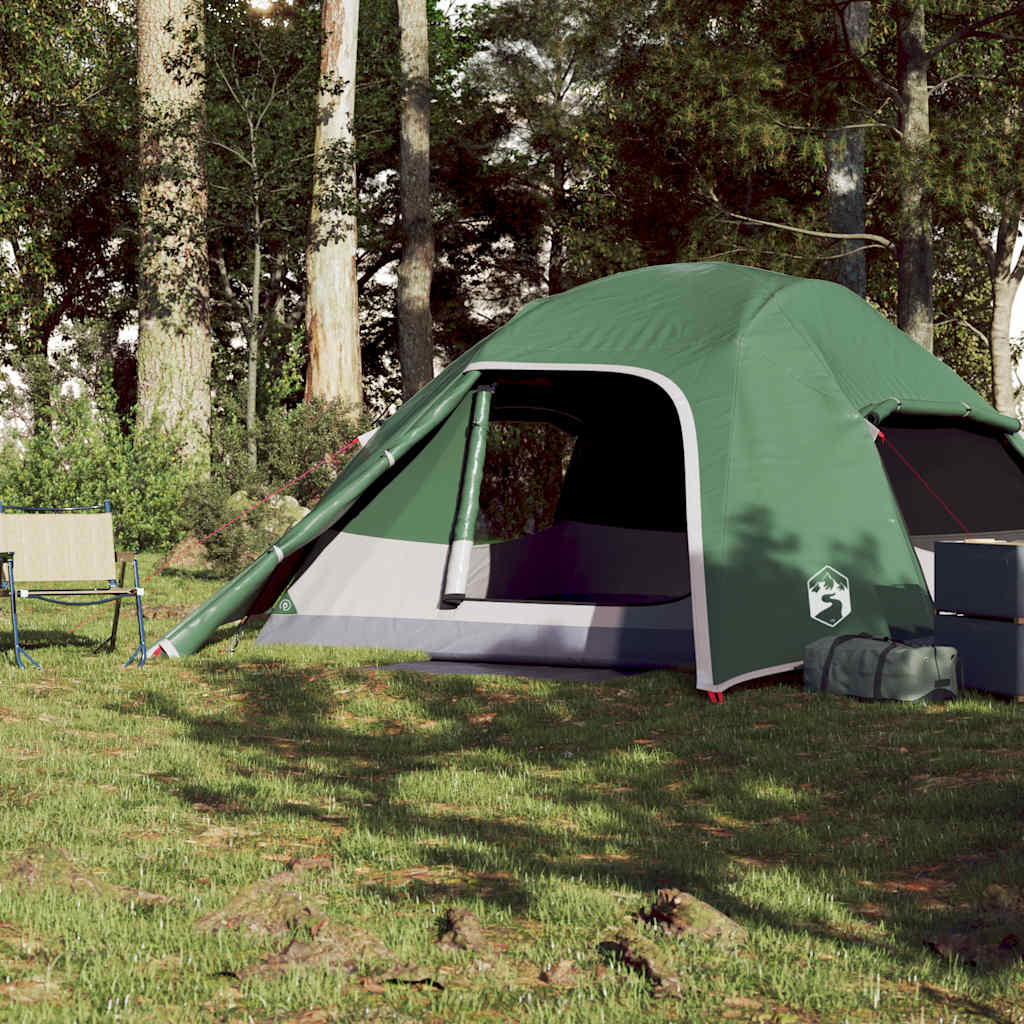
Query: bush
{"points": [[289, 442], [84, 458]]}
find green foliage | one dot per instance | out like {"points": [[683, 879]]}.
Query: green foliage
{"points": [[262, 74], [522, 480], [67, 159], [86, 458], [303, 441]]}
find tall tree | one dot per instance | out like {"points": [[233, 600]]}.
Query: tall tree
{"points": [[844, 156], [332, 303], [67, 178], [415, 271], [174, 348], [916, 261], [261, 98]]}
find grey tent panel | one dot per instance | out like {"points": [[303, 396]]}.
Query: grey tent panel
{"points": [[518, 642], [567, 673]]}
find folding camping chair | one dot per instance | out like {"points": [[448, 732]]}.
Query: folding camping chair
{"points": [[66, 546]]}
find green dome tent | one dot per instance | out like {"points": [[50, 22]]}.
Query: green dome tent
{"points": [[722, 494]]}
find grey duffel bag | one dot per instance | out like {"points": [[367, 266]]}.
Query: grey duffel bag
{"points": [[877, 668]]}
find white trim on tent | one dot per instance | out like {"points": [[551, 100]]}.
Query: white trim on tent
{"points": [[694, 529], [758, 672]]}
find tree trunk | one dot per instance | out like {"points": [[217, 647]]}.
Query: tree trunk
{"points": [[556, 254], [915, 312], [174, 348], [332, 300], [252, 374], [415, 272], [1006, 277], [844, 156]]}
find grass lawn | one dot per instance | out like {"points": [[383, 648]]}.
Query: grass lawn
{"points": [[276, 835]]}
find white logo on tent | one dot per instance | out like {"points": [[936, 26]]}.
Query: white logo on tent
{"points": [[828, 594]]}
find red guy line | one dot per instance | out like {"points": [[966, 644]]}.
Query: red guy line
{"points": [[924, 482], [213, 533]]}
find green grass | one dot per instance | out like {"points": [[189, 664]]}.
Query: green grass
{"points": [[840, 834]]}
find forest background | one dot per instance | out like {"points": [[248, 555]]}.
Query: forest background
{"points": [[877, 144]]}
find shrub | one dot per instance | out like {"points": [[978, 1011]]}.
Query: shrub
{"points": [[84, 458], [289, 442]]}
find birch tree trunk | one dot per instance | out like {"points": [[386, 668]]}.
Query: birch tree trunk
{"points": [[915, 311], [415, 272], [844, 156], [332, 299], [174, 347], [1005, 274], [1004, 291]]}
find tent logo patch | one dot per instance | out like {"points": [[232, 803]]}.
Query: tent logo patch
{"points": [[828, 594], [284, 606]]}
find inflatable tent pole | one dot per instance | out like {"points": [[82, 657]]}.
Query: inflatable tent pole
{"points": [[235, 599], [459, 554]]}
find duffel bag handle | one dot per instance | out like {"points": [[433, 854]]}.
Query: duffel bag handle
{"points": [[877, 686], [823, 685]]}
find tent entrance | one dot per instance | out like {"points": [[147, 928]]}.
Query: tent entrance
{"points": [[573, 506]]}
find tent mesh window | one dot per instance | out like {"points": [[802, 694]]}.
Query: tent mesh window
{"points": [[582, 497], [969, 467], [523, 476]]}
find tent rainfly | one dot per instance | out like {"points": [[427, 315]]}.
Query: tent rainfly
{"points": [[743, 462]]}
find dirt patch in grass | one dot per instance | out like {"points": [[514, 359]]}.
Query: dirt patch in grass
{"points": [[20, 947], [50, 868], [641, 954], [39, 988], [681, 915], [274, 906], [446, 880], [327, 946], [462, 930], [993, 938]]}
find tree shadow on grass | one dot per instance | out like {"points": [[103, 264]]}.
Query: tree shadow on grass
{"points": [[659, 788], [798, 813]]}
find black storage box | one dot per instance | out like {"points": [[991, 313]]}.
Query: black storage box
{"points": [[991, 652], [980, 579], [984, 584]]}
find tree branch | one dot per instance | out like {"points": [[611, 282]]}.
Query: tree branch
{"points": [[959, 322], [236, 153], [877, 241], [865, 68], [818, 130], [984, 243], [972, 29]]}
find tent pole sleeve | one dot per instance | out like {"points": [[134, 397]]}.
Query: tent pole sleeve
{"points": [[459, 554], [234, 600], [984, 415]]}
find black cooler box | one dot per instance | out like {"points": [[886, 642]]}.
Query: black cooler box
{"points": [[979, 602]]}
